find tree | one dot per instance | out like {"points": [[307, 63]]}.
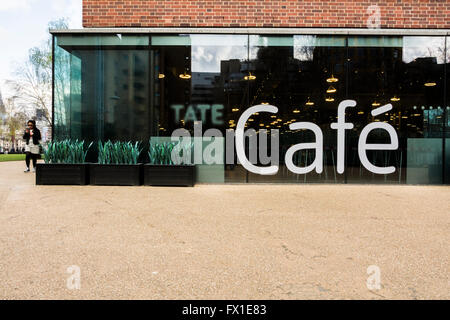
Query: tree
{"points": [[2, 107], [15, 120], [33, 84], [2, 120], [1, 128]]}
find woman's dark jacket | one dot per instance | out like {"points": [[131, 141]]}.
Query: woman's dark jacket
{"points": [[36, 136]]}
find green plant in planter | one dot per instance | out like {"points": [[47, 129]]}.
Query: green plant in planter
{"points": [[66, 151], [161, 153], [118, 152]]}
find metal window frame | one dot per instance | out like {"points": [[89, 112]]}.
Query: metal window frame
{"points": [[313, 31], [265, 31]]}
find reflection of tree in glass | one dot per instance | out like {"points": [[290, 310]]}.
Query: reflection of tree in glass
{"points": [[304, 47], [33, 83]]}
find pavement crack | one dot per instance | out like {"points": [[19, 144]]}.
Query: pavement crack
{"points": [[377, 294], [322, 289], [288, 252]]}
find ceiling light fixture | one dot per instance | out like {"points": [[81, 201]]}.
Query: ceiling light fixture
{"points": [[185, 76], [309, 102], [376, 104], [332, 79], [331, 89], [249, 77]]}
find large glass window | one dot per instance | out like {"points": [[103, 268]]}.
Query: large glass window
{"points": [[200, 79], [102, 87], [304, 76], [141, 87], [407, 72], [447, 115]]}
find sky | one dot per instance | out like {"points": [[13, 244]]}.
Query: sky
{"points": [[23, 25]]}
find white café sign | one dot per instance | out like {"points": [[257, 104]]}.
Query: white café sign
{"points": [[341, 126]]}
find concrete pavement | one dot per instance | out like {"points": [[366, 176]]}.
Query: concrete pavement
{"points": [[222, 241]]}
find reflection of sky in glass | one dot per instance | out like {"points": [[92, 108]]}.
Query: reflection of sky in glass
{"points": [[303, 45], [421, 47], [209, 50], [448, 54], [257, 42]]}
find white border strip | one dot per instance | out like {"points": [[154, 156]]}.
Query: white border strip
{"points": [[328, 31]]}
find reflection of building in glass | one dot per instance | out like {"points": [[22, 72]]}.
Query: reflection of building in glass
{"points": [[125, 94], [204, 87], [125, 90]]}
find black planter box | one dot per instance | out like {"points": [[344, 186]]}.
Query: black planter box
{"points": [[169, 175], [115, 174], [62, 174]]}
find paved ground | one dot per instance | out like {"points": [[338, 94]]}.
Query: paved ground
{"points": [[222, 242]]}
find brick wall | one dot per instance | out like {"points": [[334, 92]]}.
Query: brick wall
{"points": [[265, 13]]}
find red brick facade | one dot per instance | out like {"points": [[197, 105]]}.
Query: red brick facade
{"points": [[265, 13]]}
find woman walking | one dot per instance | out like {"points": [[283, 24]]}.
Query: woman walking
{"points": [[32, 137]]}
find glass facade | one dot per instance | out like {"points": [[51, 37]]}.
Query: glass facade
{"points": [[141, 87]]}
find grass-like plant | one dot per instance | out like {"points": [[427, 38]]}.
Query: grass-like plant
{"points": [[118, 152], [161, 153], [66, 151]]}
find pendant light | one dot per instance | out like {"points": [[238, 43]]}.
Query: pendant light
{"points": [[185, 76], [332, 79], [376, 104], [331, 89], [250, 77]]}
